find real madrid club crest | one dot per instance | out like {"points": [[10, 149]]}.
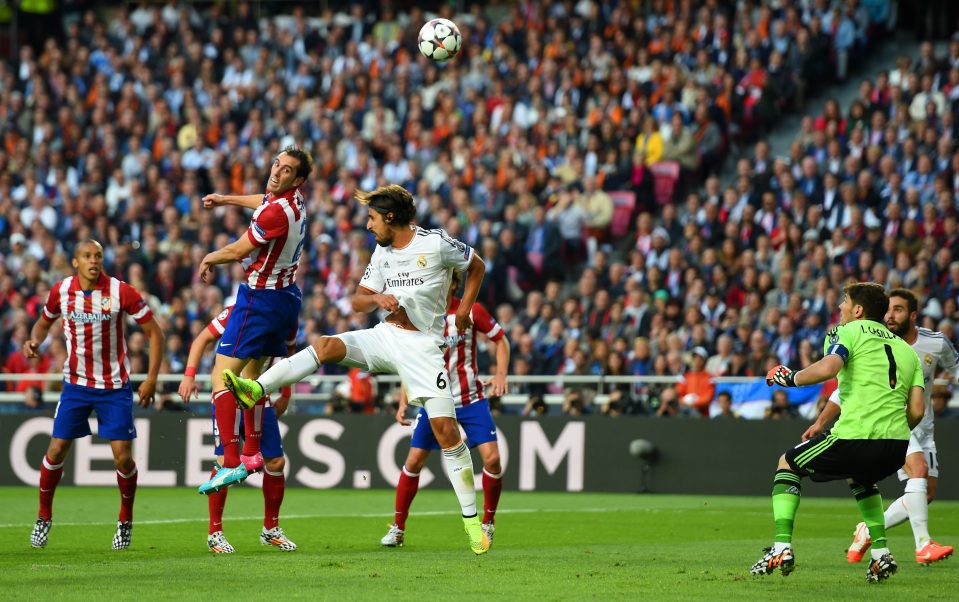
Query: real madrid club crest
{"points": [[928, 359], [421, 261]]}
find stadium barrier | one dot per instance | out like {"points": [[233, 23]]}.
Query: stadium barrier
{"points": [[550, 453]]}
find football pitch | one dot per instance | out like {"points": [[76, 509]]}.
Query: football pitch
{"points": [[548, 546]]}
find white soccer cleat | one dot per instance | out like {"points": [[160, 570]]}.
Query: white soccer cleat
{"points": [[123, 536], [277, 538], [40, 533], [489, 528], [218, 544], [393, 537]]}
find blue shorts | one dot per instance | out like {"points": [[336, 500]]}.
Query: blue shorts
{"points": [[114, 408], [261, 322], [476, 419], [270, 445]]}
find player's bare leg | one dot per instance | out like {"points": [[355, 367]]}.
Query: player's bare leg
{"points": [[274, 485], [459, 468], [227, 421], [406, 490], [51, 470], [492, 485], [127, 483], [290, 370]]}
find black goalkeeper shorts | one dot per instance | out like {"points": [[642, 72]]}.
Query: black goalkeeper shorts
{"points": [[865, 461]]}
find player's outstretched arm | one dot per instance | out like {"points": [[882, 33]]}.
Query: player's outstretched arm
{"points": [[250, 201], [474, 278], [188, 386], [917, 406], [38, 334], [235, 251], [148, 387], [826, 368]]}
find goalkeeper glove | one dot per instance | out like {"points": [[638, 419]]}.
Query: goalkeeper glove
{"points": [[781, 375]]}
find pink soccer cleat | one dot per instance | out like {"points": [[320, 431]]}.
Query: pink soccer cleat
{"points": [[252, 463]]}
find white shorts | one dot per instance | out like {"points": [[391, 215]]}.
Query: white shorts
{"points": [[922, 442], [415, 357]]}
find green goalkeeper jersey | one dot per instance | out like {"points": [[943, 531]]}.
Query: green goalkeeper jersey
{"points": [[879, 370]]}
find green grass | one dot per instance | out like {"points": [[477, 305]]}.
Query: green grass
{"points": [[548, 546]]}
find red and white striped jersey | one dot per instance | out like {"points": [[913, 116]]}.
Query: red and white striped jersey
{"points": [[218, 326], [460, 354], [93, 328], [278, 229]]}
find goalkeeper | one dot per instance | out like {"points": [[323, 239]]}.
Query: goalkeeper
{"points": [[881, 384]]}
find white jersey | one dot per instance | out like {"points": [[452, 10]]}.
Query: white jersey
{"points": [[418, 275], [936, 354]]}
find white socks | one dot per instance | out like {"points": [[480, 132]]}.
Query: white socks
{"points": [[290, 370], [878, 552], [779, 546], [459, 468], [915, 499], [914, 507]]}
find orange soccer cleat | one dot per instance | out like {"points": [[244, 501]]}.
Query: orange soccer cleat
{"points": [[933, 552]]}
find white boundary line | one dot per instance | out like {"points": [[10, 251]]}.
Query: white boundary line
{"points": [[203, 519]]}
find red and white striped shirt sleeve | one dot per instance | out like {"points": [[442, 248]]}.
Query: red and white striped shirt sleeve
{"points": [[217, 326], [51, 309], [132, 303], [271, 223], [485, 323]]}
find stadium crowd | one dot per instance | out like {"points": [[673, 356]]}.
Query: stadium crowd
{"points": [[542, 145]]}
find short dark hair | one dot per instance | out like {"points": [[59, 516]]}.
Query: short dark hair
{"points": [[391, 198], [912, 302], [85, 242], [305, 168], [871, 296]]}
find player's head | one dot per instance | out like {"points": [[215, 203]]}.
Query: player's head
{"points": [[903, 311], [290, 169], [391, 208], [863, 301], [88, 259]]}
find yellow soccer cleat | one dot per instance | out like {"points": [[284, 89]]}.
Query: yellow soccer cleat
{"points": [[479, 542], [246, 390]]}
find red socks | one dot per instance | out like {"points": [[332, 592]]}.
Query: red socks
{"points": [[228, 426], [492, 488], [253, 428], [128, 491], [274, 486], [50, 474], [216, 501], [405, 492]]}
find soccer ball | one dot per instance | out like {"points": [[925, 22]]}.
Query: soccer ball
{"points": [[440, 40]]}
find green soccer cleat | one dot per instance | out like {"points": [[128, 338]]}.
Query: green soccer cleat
{"points": [[479, 543], [246, 390]]}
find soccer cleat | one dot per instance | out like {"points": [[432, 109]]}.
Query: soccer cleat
{"points": [[933, 552], [246, 390], [224, 478], [123, 536], [218, 544], [881, 568], [488, 529], [252, 463], [41, 530], [860, 544], [393, 537], [479, 543], [277, 538], [785, 561]]}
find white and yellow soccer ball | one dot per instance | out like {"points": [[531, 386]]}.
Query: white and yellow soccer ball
{"points": [[440, 40]]}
